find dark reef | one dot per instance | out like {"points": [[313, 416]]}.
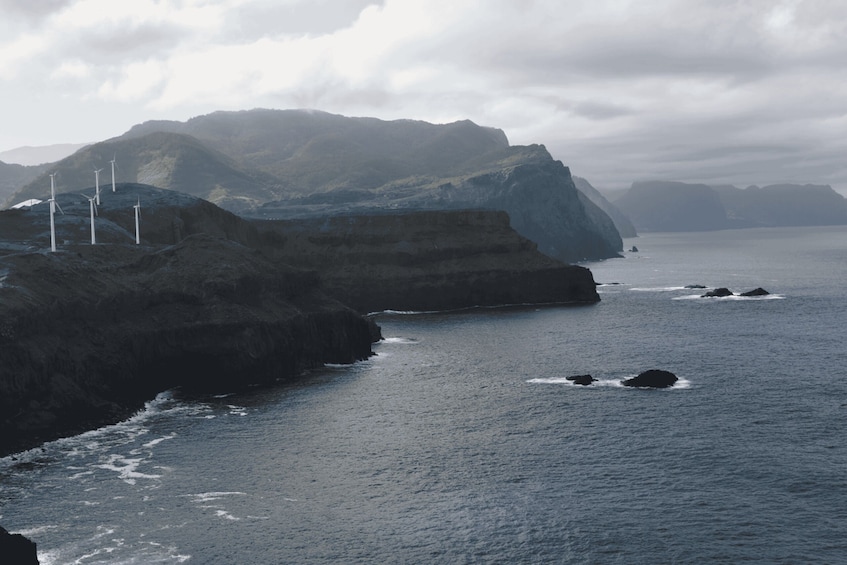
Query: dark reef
{"points": [[653, 378]]}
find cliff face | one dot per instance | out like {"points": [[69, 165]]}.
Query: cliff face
{"points": [[536, 191], [212, 301], [426, 261], [622, 223], [89, 334]]}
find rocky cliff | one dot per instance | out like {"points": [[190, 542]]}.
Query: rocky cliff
{"points": [[210, 300], [90, 333], [438, 260]]}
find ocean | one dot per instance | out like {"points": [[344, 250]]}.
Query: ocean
{"points": [[462, 441]]}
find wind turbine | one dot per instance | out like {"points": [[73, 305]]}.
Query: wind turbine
{"points": [[137, 208], [53, 206], [113, 171], [92, 205], [97, 185]]}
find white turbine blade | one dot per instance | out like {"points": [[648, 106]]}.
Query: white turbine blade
{"points": [[59, 207]]}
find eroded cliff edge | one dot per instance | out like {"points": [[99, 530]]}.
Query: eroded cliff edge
{"points": [[89, 334]]}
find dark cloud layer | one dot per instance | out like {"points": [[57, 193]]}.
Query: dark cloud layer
{"points": [[705, 90]]}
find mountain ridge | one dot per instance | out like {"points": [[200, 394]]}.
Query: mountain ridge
{"points": [[246, 160]]}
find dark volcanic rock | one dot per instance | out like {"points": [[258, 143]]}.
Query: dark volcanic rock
{"points": [[211, 301], [718, 292], [16, 549], [653, 378], [581, 379], [755, 292], [436, 260], [90, 333], [695, 286]]}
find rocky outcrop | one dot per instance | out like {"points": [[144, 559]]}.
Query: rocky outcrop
{"points": [[759, 291], [16, 549], [653, 378], [718, 293], [426, 261], [583, 380], [88, 334]]}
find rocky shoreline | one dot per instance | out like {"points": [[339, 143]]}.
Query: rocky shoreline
{"points": [[212, 302]]}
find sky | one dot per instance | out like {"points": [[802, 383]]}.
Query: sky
{"points": [[715, 91]]}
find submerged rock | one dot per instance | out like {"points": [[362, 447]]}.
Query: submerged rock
{"points": [[16, 549], [581, 379], [755, 292], [653, 378], [718, 292], [695, 286]]}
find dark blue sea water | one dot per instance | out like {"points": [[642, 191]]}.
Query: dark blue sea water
{"points": [[462, 441]]}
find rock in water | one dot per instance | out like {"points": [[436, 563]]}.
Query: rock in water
{"points": [[718, 292], [756, 292], [581, 379], [654, 378], [15, 549]]}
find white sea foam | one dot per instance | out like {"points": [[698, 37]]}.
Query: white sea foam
{"points": [[615, 383], [659, 289], [734, 297], [400, 340], [565, 381], [126, 468]]}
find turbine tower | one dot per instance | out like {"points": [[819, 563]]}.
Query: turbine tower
{"points": [[137, 208], [113, 172], [92, 205], [53, 206], [97, 185]]}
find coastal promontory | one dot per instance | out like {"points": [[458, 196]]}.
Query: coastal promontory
{"points": [[209, 301]]}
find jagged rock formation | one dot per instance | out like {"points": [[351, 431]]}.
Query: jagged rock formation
{"points": [[286, 164]]}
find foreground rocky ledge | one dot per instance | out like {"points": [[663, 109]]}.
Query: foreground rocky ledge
{"points": [[88, 334]]}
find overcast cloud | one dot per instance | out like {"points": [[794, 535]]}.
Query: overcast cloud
{"points": [[712, 91]]}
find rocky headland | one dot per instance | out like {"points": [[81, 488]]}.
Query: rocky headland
{"points": [[211, 301]]}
